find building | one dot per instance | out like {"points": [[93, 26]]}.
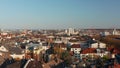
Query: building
{"points": [[76, 49], [14, 52], [33, 51], [106, 33], [98, 45], [70, 31], [115, 32]]}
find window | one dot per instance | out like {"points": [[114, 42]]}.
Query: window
{"points": [[75, 51], [76, 56]]}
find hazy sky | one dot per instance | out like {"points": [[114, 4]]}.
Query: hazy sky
{"points": [[55, 14]]}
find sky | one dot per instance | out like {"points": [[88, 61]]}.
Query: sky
{"points": [[59, 14]]}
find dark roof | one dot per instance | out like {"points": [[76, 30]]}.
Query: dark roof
{"points": [[15, 50], [14, 65], [34, 64], [60, 44], [75, 46], [57, 44]]}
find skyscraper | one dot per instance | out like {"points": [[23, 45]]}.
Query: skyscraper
{"points": [[70, 31]]}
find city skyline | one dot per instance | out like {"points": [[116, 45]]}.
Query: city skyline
{"points": [[62, 14]]}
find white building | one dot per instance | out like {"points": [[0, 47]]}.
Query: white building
{"points": [[115, 32], [98, 45], [36, 49], [106, 33], [76, 49], [92, 55], [20, 56], [70, 31]]}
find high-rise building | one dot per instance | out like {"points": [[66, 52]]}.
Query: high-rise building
{"points": [[70, 31], [115, 32], [105, 33]]}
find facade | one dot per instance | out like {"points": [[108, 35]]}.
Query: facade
{"points": [[115, 32], [76, 49], [70, 31], [92, 55], [20, 56], [98, 45], [106, 33], [34, 51]]}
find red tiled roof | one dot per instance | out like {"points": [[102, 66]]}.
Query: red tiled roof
{"points": [[75, 46], [116, 65], [89, 50], [109, 48], [116, 51]]}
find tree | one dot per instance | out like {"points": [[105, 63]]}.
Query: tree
{"points": [[67, 58], [58, 51]]}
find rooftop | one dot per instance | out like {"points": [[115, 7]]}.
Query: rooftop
{"points": [[75, 46]]}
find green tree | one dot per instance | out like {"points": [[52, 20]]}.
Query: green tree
{"points": [[66, 57]]}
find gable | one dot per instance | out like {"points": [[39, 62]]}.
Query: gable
{"points": [[2, 48]]}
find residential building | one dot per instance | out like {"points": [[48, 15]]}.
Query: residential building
{"points": [[76, 49], [98, 45], [33, 51]]}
